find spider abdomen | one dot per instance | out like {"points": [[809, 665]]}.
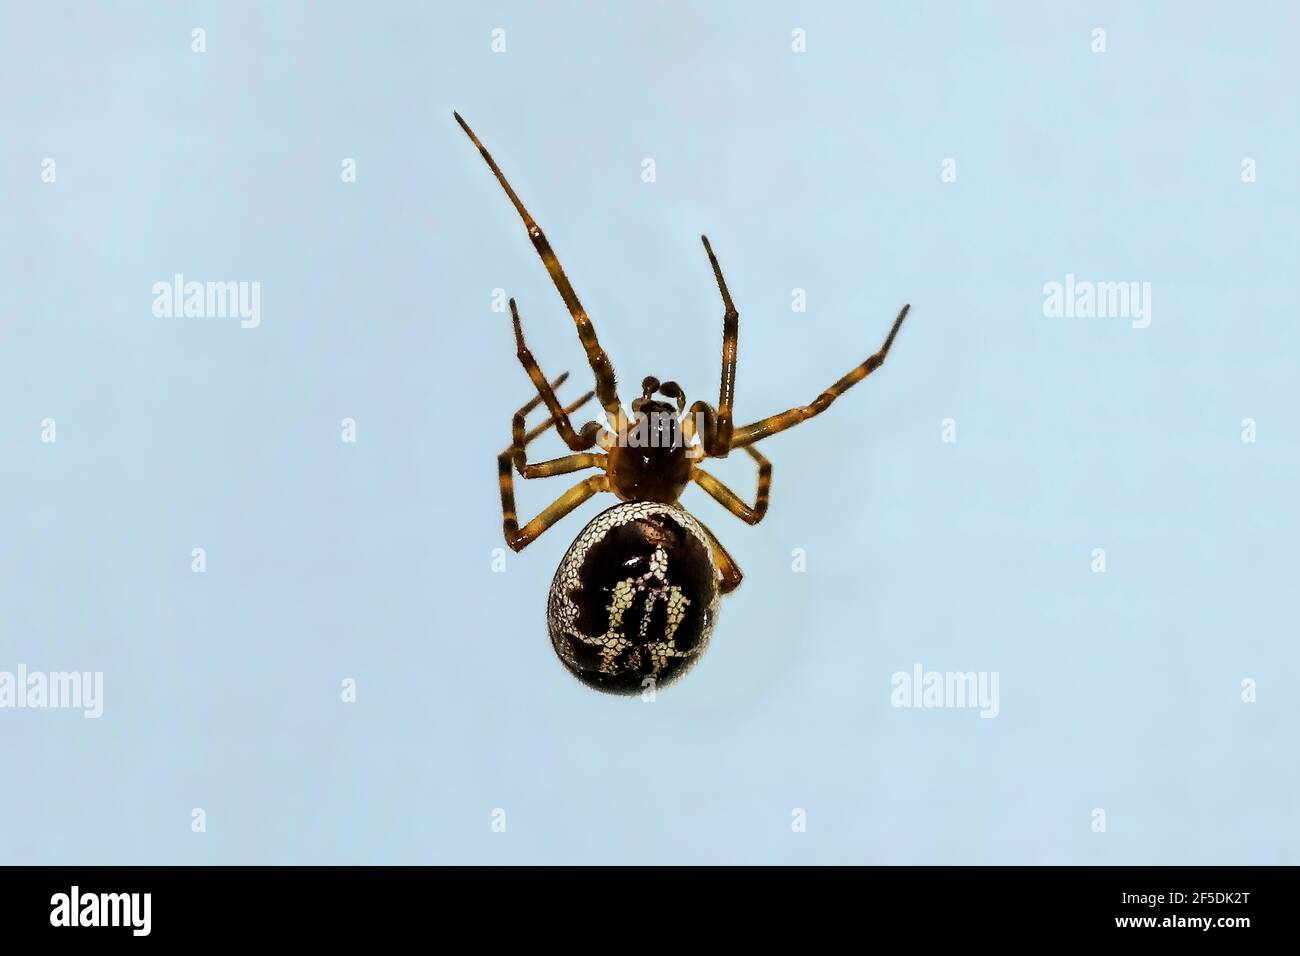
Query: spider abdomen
{"points": [[635, 599]]}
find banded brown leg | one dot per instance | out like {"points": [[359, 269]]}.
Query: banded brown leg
{"points": [[718, 440], [606, 386], [732, 501], [521, 438], [759, 430], [731, 573], [703, 422], [568, 410], [514, 455], [575, 441], [537, 400], [519, 538]]}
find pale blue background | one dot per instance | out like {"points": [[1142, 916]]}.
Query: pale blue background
{"points": [[818, 171]]}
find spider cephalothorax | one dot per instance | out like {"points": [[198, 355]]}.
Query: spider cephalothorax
{"points": [[636, 597], [651, 460]]}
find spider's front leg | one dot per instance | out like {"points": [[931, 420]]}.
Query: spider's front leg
{"points": [[780, 422], [568, 409], [715, 436], [575, 441], [606, 386], [556, 466]]}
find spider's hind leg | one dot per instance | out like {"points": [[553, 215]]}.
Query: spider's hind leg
{"points": [[731, 573]]}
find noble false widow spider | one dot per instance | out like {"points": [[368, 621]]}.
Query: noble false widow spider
{"points": [[635, 599]]}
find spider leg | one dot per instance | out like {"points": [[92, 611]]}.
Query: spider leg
{"points": [[556, 466], [514, 455], [568, 410], [606, 386], [701, 421], [717, 440], [759, 430], [518, 538], [537, 399], [732, 501], [575, 441], [731, 573]]}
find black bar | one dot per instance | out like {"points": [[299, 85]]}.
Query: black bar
{"points": [[366, 904]]}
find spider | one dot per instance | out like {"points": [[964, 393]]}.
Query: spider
{"points": [[635, 599]]}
